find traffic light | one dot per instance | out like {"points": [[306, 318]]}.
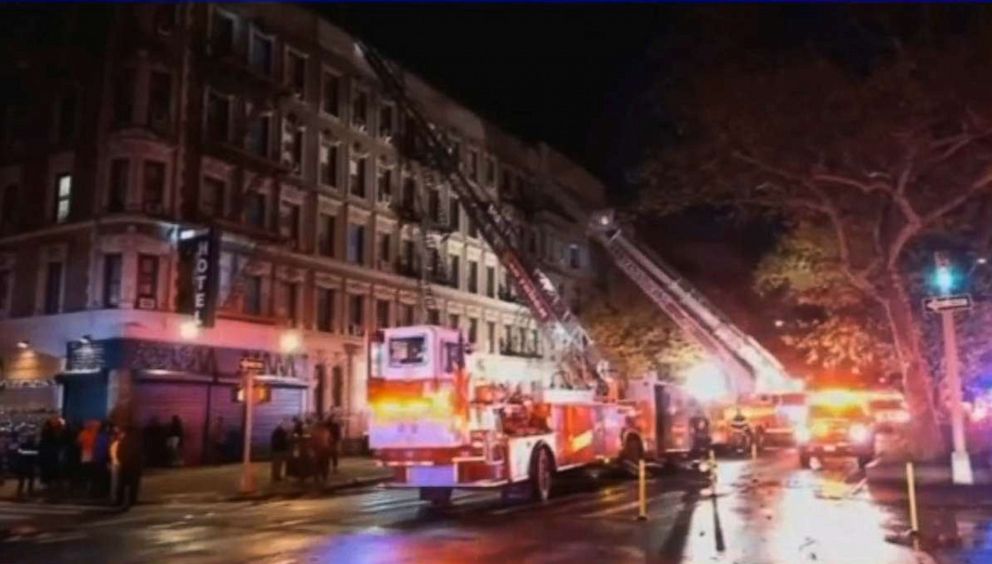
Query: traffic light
{"points": [[945, 279]]}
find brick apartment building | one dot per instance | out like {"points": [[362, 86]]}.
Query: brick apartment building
{"points": [[125, 127]]}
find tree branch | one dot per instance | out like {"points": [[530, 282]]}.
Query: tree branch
{"points": [[865, 187]]}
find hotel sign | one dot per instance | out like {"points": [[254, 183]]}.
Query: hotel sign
{"points": [[199, 252]]}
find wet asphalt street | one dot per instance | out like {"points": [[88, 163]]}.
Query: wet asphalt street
{"points": [[766, 510]]}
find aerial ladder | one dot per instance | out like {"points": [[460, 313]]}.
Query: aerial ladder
{"points": [[557, 322]]}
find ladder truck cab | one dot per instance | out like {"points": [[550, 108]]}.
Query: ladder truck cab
{"points": [[439, 428]]}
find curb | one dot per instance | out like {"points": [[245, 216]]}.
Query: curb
{"points": [[269, 496]]}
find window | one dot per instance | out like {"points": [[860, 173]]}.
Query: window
{"points": [[386, 125], [535, 342], [471, 227], [454, 321], [356, 174], [473, 164], [258, 135], [160, 100], [381, 314], [360, 110], [433, 317], [356, 244], [574, 256], [218, 117], [292, 143], [124, 96], [490, 171], [434, 205], [260, 53], [330, 97], [456, 273], [119, 182], [296, 72], [65, 118], [454, 214], [473, 330], [63, 197], [147, 282], [385, 183], [325, 310], [407, 350], [290, 291], [473, 276], [112, 280], [328, 161], [409, 256], [53, 288], [221, 33], [385, 247], [8, 208], [326, 234], [5, 286], [406, 315], [409, 192], [290, 225], [253, 295], [491, 337], [153, 193], [356, 314], [255, 209], [491, 281], [213, 199]]}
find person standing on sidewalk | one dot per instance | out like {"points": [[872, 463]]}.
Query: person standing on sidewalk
{"points": [[279, 445], [101, 460], [27, 462], [174, 441], [320, 439], [334, 433], [86, 442], [129, 458]]}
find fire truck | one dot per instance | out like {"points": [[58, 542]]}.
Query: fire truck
{"points": [[439, 429]]}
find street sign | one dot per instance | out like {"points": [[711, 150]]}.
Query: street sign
{"points": [[938, 304], [254, 365], [261, 393]]}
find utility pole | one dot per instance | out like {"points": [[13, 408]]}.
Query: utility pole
{"points": [[248, 368], [961, 472]]}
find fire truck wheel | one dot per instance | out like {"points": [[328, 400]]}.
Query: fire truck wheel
{"points": [[542, 468], [438, 497]]}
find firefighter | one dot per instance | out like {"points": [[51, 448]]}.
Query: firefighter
{"points": [[741, 430], [699, 426]]}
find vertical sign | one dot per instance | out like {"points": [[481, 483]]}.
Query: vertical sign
{"points": [[199, 252]]}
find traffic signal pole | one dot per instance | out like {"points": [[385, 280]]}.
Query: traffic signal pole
{"points": [[960, 462], [247, 475]]}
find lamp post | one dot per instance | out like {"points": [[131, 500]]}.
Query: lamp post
{"points": [[249, 367]]}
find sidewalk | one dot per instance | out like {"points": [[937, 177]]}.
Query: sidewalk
{"points": [[221, 483]]}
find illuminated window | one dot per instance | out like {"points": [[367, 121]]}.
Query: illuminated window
{"points": [[53, 288], [147, 281], [112, 280], [63, 197], [120, 170]]}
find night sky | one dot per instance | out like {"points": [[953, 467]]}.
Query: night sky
{"points": [[563, 74]]}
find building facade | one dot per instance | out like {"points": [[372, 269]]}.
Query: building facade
{"points": [[261, 124]]}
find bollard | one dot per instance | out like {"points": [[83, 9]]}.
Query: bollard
{"points": [[642, 491], [914, 519], [713, 472], [754, 449]]}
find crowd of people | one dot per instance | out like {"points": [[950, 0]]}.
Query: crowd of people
{"points": [[98, 460], [309, 449]]}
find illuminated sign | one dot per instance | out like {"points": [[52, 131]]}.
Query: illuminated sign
{"points": [[199, 257]]}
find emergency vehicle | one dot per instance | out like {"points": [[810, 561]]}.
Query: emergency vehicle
{"points": [[838, 425]]}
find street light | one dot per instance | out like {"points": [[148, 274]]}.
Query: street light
{"points": [[290, 342], [23, 344], [189, 330], [779, 323]]}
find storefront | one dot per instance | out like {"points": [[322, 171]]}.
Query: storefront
{"points": [[145, 383], [28, 390]]}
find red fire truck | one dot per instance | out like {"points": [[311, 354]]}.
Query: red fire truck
{"points": [[439, 429]]}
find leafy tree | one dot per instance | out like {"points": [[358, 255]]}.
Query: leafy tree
{"points": [[892, 157], [636, 335]]}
